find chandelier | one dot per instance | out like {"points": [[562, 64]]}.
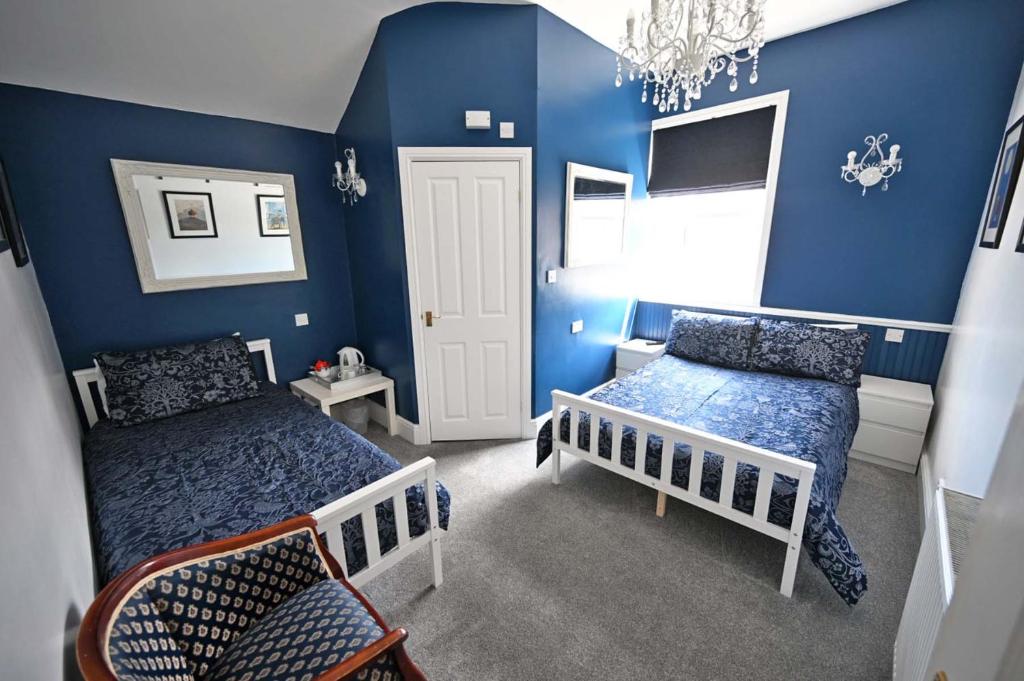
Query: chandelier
{"points": [[683, 44]]}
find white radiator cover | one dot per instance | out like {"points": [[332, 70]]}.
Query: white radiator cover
{"points": [[931, 589]]}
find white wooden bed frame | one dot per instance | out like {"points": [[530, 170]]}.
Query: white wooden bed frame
{"points": [[700, 442], [360, 503]]}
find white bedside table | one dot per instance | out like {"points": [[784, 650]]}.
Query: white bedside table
{"points": [[319, 396], [633, 354], [894, 416]]}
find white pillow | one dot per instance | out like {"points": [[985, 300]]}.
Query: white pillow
{"points": [[101, 386]]}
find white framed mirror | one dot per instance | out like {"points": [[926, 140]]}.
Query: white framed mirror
{"points": [[195, 227], [596, 208]]}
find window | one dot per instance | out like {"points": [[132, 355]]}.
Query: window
{"points": [[704, 248], [704, 232]]}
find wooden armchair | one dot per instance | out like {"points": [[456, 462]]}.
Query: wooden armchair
{"points": [[270, 604]]}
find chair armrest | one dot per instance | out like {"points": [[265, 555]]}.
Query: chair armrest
{"points": [[392, 642]]}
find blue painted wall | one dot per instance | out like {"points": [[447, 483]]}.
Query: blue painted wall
{"points": [[445, 58], [427, 66], [374, 230], [581, 117], [932, 74], [57, 149]]}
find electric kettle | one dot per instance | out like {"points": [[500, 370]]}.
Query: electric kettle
{"points": [[350, 358]]}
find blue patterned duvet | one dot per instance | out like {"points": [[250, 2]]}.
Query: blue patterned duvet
{"points": [[227, 470], [805, 418]]}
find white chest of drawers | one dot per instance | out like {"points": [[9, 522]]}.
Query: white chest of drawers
{"points": [[633, 354], [893, 419]]}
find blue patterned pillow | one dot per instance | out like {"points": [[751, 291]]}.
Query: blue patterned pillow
{"points": [[154, 384], [711, 338], [797, 349]]}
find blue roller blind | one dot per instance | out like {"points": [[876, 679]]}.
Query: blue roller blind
{"points": [[719, 154]]}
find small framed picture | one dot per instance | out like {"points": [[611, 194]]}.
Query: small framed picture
{"points": [[273, 215], [1007, 174], [11, 235], [190, 215]]}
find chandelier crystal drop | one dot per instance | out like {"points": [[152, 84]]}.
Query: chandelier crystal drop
{"points": [[681, 45]]}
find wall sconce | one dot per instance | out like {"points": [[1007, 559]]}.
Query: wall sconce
{"points": [[348, 181], [873, 167]]}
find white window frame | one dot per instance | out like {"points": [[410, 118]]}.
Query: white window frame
{"points": [[780, 100]]}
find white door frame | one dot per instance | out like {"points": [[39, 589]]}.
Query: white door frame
{"points": [[524, 157]]}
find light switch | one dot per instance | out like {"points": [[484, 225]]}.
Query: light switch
{"points": [[894, 335], [302, 319], [577, 326], [552, 276], [507, 130]]}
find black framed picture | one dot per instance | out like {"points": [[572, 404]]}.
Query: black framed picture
{"points": [[273, 215], [190, 215], [1007, 173], [11, 235]]}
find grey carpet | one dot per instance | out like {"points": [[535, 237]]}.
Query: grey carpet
{"points": [[583, 581]]}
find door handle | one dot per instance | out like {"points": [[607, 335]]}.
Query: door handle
{"points": [[430, 317]]}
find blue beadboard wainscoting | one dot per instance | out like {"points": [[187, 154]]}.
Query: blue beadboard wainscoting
{"points": [[918, 358]]}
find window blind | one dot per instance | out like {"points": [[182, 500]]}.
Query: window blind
{"points": [[720, 154], [585, 189]]}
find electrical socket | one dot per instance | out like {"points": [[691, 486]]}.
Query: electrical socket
{"points": [[894, 335], [302, 319]]}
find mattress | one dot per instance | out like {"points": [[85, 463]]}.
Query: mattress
{"points": [[228, 470], [809, 419]]}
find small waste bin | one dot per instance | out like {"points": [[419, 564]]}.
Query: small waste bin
{"points": [[355, 414]]}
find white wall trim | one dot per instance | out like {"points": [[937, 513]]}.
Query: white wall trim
{"points": [[524, 157], [823, 316], [537, 423], [407, 430], [780, 100], [924, 473]]}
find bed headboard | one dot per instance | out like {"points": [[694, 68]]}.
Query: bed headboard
{"points": [[86, 378]]}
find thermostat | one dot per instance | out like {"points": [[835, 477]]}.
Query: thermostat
{"points": [[478, 120]]}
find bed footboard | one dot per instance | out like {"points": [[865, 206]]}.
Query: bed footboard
{"points": [[701, 443], [363, 503]]}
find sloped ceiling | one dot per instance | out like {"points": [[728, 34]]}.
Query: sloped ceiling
{"points": [[294, 63]]}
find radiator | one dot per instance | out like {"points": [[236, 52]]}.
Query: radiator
{"points": [[931, 589]]}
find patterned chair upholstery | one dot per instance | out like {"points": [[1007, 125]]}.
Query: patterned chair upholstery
{"points": [[269, 605]]}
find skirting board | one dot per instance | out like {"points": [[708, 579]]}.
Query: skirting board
{"points": [[882, 461], [927, 489], [538, 423], [408, 431]]}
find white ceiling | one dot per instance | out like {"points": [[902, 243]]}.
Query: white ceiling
{"points": [[605, 20], [294, 63]]}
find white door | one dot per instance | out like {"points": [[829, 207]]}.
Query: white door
{"points": [[982, 633], [466, 228]]}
